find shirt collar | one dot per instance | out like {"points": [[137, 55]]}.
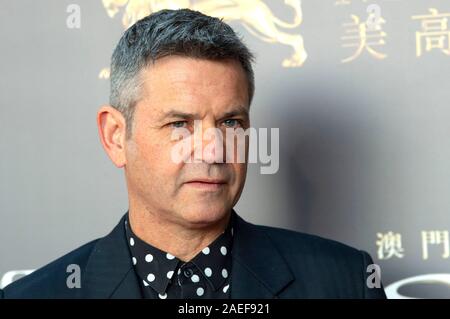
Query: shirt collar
{"points": [[157, 268]]}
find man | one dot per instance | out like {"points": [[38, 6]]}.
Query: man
{"points": [[176, 71]]}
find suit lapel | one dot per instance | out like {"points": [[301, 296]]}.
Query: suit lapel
{"points": [[259, 271], [109, 272]]}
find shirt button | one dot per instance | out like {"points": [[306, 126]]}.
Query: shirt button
{"points": [[188, 272]]}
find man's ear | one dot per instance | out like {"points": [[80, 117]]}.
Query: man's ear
{"points": [[112, 130]]}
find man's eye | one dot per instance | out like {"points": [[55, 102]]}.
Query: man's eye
{"points": [[178, 124], [231, 123]]}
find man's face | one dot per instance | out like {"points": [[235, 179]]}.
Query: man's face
{"points": [[176, 92]]}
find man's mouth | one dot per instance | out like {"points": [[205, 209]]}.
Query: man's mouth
{"points": [[207, 184]]}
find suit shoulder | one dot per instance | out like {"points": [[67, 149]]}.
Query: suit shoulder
{"points": [[293, 243], [50, 279], [326, 268]]}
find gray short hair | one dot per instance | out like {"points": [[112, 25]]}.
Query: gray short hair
{"points": [[171, 32]]}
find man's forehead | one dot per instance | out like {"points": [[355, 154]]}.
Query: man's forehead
{"points": [[181, 105], [179, 86]]}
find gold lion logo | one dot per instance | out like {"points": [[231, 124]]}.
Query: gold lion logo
{"points": [[254, 15]]}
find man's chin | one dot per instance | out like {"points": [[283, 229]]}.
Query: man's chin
{"points": [[204, 216]]}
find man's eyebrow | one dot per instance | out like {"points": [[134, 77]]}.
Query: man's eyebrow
{"points": [[177, 114], [238, 111]]}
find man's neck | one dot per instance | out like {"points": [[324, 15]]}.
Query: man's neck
{"points": [[178, 239]]}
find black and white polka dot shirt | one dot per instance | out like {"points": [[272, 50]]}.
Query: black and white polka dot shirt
{"points": [[161, 275]]}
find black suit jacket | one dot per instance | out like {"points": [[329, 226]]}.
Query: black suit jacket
{"points": [[267, 262]]}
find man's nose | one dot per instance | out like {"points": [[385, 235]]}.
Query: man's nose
{"points": [[208, 143]]}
